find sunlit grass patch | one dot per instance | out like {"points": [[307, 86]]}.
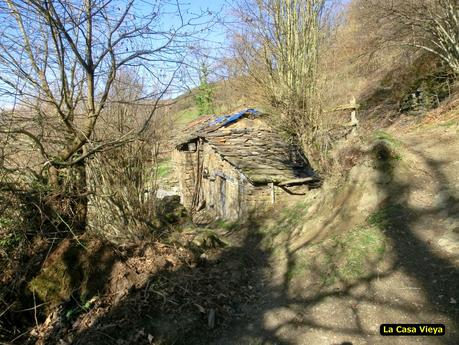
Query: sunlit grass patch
{"points": [[297, 267], [227, 225], [164, 168], [382, 216], [360, 247], [382, 135], [184, 117], [341, 258], [450, 123], [286, 221]]}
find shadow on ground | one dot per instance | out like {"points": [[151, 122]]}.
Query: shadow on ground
{"points": [[237, 296], [33, 223]]}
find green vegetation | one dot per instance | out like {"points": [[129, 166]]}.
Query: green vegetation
{"points": [[81, 307], [11, 240], [73, 274], [450, 123], [6, 222], [288, 219], [185, 116], [54, 283], [387, 147], [12, 224], [350, 257], [381, 217], [342, 258], [78, 217], [205, 96], [286, 222], [298, 267], [227, 225], [382, 135], [164, 168]]}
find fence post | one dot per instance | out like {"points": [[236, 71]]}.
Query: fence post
{"points": [[354, 122]]}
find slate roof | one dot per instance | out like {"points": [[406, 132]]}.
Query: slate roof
{"points": [[256, 150], [210, 123]]}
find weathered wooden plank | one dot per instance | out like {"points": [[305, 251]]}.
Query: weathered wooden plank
{"points": [[298, 181]]}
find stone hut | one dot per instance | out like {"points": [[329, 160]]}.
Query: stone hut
{"points": [[230, 164]]}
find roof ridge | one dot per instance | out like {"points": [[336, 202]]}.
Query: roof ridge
{"points": [[212, 123]]}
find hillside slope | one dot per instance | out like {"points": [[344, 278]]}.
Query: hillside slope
{"points": [[380, 247], [377, 244]]}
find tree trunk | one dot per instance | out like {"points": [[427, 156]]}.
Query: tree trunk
{"points": [[80, 197], [68, 196]]}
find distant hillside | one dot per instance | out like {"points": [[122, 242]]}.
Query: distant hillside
{"points": [[229, 96]]}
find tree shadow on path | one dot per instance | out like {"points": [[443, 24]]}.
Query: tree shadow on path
{"points": [[176, 305]]}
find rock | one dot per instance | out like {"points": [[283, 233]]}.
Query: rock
{"points": [[204, 257], [171, 211]]}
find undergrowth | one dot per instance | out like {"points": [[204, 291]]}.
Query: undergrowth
{"points": [[164, 168], [382, 135], [284, 224], [10, 241], [351, 256], [341, 258]]}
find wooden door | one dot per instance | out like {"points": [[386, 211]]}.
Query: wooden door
{"points": [[222, 195]]}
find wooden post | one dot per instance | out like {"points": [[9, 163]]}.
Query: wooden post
{"points": [[273, 193], [354, 122]]}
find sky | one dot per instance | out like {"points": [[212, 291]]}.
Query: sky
{"points": [[210, 39], [212, 43], [190, 7], [209, 44], [216, 36]]}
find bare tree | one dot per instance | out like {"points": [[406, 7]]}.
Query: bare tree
{"points": [[123, 181], [277, 47], [429, 25], [58, 64]]}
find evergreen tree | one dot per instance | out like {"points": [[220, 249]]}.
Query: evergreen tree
{"points": [[204, 98]]}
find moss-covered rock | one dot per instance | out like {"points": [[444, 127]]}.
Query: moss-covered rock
{"points": [[171, 211], [78, 269]]}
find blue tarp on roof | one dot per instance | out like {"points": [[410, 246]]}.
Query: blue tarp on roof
{"points": [[227, 119]]}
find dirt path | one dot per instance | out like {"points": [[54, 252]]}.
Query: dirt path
{"points": [[321, 293], [381, 246]]}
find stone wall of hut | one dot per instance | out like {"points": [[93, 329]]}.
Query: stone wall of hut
{"points": [[223, 186], [185, 168], [224, 189]]}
